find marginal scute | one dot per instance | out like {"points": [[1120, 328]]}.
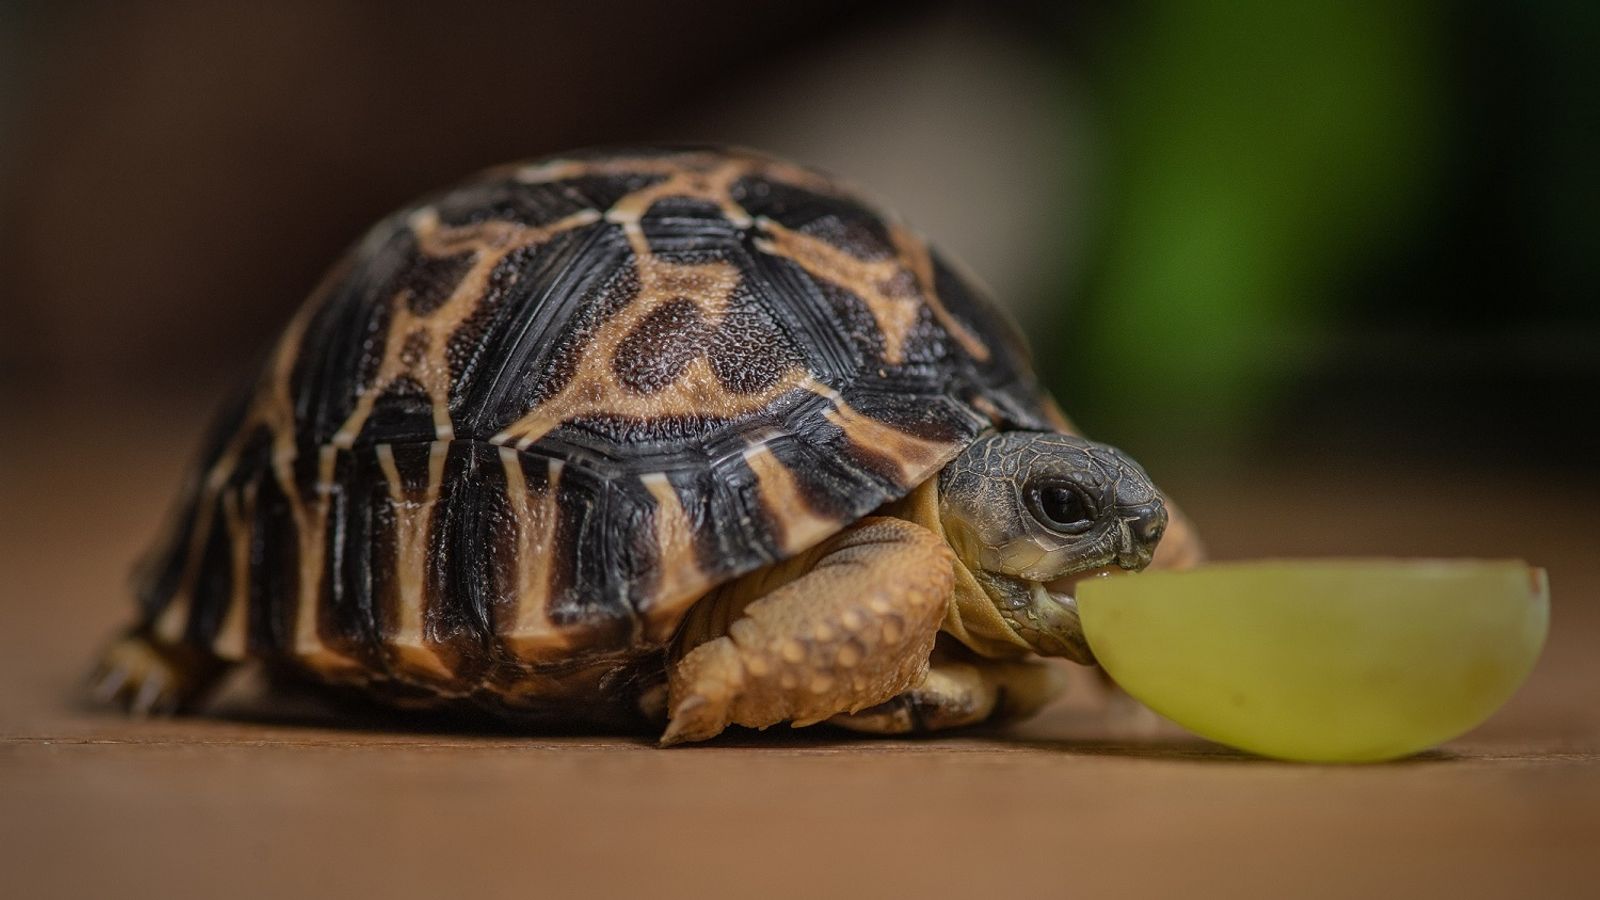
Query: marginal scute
{"points": [[414, 512], [522, 618], [786, 502], [681, 580], [528, 421]]}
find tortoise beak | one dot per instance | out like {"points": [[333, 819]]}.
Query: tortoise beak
{"points": [[1139, 533]]}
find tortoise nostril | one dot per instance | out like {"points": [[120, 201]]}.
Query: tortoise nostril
{"points": [[1149, 526]]}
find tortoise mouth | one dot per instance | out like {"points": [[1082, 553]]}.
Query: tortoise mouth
{"points": [[1056, 600], [1065, 588]]}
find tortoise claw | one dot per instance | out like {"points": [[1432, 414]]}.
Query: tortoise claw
{"points": [[694, 719], [148, 679]]}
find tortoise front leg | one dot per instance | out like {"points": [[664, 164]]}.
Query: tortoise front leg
{"points": [[962, 689], [840, 628]]}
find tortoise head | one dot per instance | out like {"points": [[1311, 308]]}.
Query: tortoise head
{"points": [[1031, 513]]}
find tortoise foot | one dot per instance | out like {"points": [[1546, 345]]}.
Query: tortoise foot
{"points": [[961, 693], [144, 676]]}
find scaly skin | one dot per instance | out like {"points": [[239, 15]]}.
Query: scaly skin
{"points": [[962, 689], [849, 624]]}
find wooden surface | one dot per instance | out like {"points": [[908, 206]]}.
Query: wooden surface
{"points": [[1089, 800]]}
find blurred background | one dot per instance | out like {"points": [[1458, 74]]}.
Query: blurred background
{"points": [[1238, 233]]}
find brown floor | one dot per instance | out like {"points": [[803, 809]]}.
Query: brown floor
{"points": [[1081, 802]]}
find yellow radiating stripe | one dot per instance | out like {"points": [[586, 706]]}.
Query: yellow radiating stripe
{"points": [[411, 518], [231, 641], [915, 457], [311, 527], [174, 620], [802, 527], [681, 580], [530, 634]]}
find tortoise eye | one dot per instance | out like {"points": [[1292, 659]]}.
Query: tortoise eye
{"points": [[1061, 508]]}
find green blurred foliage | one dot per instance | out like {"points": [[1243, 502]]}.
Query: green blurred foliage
{"points": [[1253, 149]]}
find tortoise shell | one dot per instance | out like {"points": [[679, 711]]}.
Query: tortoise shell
{"points": [[528, 421]]}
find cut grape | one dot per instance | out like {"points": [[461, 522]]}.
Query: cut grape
{"points": [[1327, 661]]}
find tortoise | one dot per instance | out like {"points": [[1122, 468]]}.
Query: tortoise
{"points": [[671, 437]]}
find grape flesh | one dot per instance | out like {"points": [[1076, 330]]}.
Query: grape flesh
{"points": [[1322, 661]]}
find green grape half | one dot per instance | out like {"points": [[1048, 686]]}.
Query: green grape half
{"points": [[1324, 661]]}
